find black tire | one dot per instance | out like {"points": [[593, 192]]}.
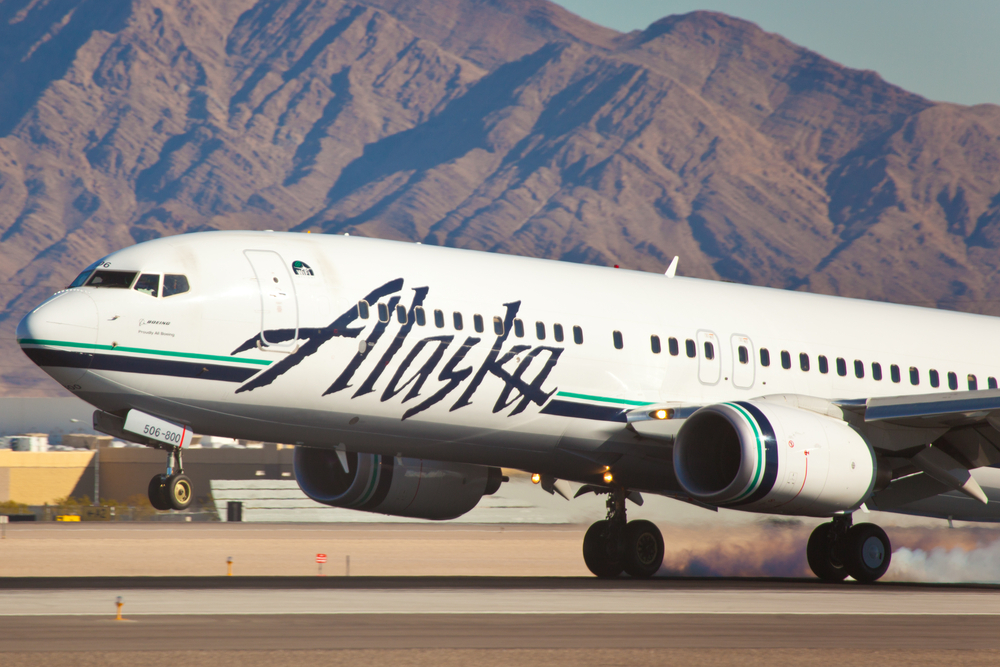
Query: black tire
{"points": [[179, 492], [867, 552], [157, 492], [643, 549], [819, 553], [601, 552]]}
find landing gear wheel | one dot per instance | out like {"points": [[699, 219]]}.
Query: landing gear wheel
{"points": [[643, 549], [179, 492], [820, 554], [157, 492], [867, 552], [601, 551]]}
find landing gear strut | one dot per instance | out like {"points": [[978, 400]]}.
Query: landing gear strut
{"points": [[615, 544], [173, 490], [838, 549]]}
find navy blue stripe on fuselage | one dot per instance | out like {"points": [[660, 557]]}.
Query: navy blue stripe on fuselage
{"points": [[128, 364], [770, 456], [586, 411]]}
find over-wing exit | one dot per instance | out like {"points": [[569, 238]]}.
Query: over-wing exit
{"points": [[408, 375]]}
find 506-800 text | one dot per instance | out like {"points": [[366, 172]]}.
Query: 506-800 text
{"points": [[163, 434]]}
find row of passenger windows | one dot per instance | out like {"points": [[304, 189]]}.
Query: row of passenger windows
{"points": [[673, 346], [458, 322], [823, 364], [876, 370]]}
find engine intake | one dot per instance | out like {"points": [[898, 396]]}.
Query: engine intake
{"points": [[763, 457], [396, 486]]}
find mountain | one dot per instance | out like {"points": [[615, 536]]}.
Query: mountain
{"points": [[510, 126]]}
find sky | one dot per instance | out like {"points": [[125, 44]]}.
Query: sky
{"points": [[945, 51]]}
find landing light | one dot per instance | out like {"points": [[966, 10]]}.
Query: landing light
{"points": [[608, 477], [536, 478], [662, 414]]}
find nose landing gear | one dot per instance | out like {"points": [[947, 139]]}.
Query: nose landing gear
{"points": [[838, 549], [171, 491], [614, 544]]}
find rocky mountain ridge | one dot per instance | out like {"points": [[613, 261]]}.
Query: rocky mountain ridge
{"points": [[510, 126]]}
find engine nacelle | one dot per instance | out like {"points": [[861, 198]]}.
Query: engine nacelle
{"points": [[395, 486], [762, 457]]}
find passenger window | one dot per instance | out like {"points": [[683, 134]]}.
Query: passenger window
{"points": [[915, 375], [519, 328], [894, 372], [709, 350], [672, 347], [115, 280], [175, 284], [616, 336], [824, 365], [578, 335], [804, 361], [952, 381], [991, 383], [876, 370], [859, 368], [419, 315], [765, 357], [457, 320], [498, 326], [690, 348], [654, 344], [841, 367], [973, 383], [744, 354], [557, 332], [383, 313], [540, 330], [363, 310], [935, 380], [148, 283], [477, 323], [439, 319], [401, 314], [786, 360]]}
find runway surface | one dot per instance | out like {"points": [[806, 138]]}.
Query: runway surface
{"points": [[174, 614]]}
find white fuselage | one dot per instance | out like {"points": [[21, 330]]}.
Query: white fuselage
{"points": [[438, 392]]}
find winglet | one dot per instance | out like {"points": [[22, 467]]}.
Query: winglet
{"points": [[672, 269]]}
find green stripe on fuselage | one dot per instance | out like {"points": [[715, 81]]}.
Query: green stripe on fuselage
{"points": [[141, 350], [602, 399]]}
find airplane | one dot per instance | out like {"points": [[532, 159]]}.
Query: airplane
{"points": [[407, 376]]}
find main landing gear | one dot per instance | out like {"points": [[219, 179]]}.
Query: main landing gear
{"points": [[838, 549], [171, 491], [615, 544]]}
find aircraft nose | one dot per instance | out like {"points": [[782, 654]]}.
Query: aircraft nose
{"points": [[65, 319]]}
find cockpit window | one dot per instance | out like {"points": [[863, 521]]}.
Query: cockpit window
{"points": [[81, 279], [112, 279], [148, 283], [175, 284]]}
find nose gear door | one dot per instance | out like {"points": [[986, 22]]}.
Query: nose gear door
{"points": [[279, 311]]}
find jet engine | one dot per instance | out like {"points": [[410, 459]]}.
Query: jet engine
{"points": [[763, 457], [394, 486]]}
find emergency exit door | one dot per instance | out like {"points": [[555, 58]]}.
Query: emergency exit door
{"points": [[279, 311]]}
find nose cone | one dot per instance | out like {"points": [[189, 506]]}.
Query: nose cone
{"points": [[55, 335], [70, 317]]}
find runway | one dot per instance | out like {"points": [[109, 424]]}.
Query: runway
{"points": [[423, 618]]}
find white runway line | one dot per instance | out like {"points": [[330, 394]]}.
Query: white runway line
{"points": [[477, 601]]}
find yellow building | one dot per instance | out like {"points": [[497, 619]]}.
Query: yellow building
{"points": [[36, 478]]}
